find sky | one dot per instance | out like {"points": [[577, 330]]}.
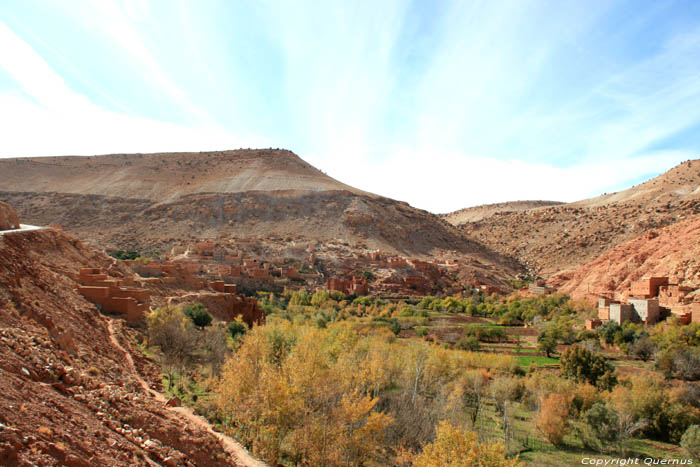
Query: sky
{"points": [[443, 104]]}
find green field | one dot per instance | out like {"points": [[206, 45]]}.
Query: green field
{"points": [[526, 361]]}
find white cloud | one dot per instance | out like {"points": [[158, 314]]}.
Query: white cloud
{"points": [[47, 118], [443, 181]]}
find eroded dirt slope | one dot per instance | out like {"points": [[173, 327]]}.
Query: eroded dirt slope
{"points": [[564, 237], [68, 397], [673, 251]]}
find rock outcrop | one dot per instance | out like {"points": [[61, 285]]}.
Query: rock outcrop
{"points": [[8, 217]]}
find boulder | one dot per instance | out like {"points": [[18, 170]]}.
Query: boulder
{"points": [[8, 217], [173, 402]]}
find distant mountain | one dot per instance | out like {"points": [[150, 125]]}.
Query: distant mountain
{"points": [[167, 176], [551, 239], [152, 201]]}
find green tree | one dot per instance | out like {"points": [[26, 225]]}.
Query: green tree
{"points": [[198, 314], [237, 328], [546, 344], [604, 422], [582, 365]]}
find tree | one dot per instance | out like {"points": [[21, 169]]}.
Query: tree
{"points": [[553, 419], [691, 441], [454, 447], [604, 422], [643, 348], [198, 314], [546, 344], [582, 365], [174, 334], [236, 328]]}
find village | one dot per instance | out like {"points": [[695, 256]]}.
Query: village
{"points": [[648, 301]]}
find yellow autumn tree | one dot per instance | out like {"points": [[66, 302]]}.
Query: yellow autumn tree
{"points": [[454, 447], [553, 419]]}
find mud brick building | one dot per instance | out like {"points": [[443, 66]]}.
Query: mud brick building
{"points": [[114, 295]]}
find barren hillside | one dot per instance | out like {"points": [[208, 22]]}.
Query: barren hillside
{"points": [[478, 213], [71, 394], [166, 176], [673, 251], [151, 202], [564, 237]]}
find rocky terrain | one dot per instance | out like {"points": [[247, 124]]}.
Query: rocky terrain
{"points": [[153, 202], [73, 395], [8, 217], [477, 213], [549, 240], [673, 251], [166, 177]]}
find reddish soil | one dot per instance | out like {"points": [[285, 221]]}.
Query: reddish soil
{"points": [[70, 396], [672, 251]]}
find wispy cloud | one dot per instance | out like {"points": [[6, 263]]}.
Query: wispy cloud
{"points": [[443, 105], [48, 118]]}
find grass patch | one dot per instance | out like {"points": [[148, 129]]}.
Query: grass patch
{"points": [[527, 360]]}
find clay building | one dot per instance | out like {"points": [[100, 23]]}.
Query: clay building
{"points": [[353, 286], [646, 310], [114, 295], [673, 294], [592, 324], [647, 287], [622, 312]]}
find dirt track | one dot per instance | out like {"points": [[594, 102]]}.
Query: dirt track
{"points": [[230, 445]]}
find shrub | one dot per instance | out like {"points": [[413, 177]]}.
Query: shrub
{"points": [[604, 422], [468, 343], [553, 419], [691, 441], [454, 447], [643, 348], [422, 331], [395, 326], [583, 365], [237, 328], [198, 314]]}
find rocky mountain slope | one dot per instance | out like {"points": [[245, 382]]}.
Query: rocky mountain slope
{"points": [[673, 251], [484, 211], [564, 237], [146, 202], [71, 392], [165, 177]]}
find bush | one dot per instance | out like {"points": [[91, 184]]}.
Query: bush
{"points": [[455, 447], [237, 328], [643, 348], [582, 365], [422, 331], [553, 420], [604, 422], [468, 343], [691, 441], [198, 314], [395, 326]]}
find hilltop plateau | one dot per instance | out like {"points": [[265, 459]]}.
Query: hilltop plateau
{"points": [[552, 239]]}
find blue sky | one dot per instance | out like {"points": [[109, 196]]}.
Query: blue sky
{"points": [[442, 104]]}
